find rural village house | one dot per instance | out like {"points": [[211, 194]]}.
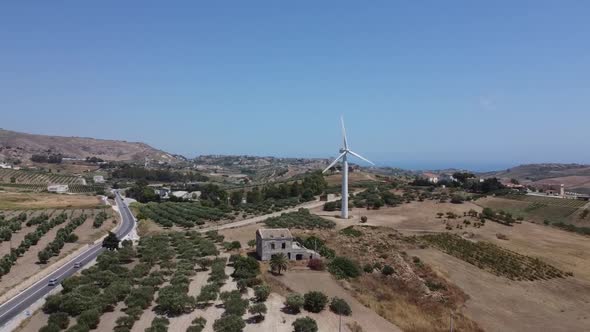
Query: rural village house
{"points": [[274, 241]]}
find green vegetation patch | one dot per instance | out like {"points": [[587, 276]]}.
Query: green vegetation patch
{"points": [[494, 259], [573, 228], [351, 231], [301, 219], [181, 214], [132, 276]]}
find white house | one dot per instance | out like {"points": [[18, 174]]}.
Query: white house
{"points": [[188, 195], [3, 165], [58, 188], [162, 192], [431, 177], [98, 179]]}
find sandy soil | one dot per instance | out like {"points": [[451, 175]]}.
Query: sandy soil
{"points": [[108, 319], [35, 322], [498, 304], [22, 200]]}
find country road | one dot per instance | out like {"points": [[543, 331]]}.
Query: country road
{"points": [[16, 305]]}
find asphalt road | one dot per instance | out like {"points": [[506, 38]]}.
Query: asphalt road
{"points": [[19, 303]]}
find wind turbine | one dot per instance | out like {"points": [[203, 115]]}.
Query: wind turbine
{"points": [[344, 152]]}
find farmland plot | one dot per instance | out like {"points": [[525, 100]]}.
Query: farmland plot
{"points": [[54, 232], [180, 214]]}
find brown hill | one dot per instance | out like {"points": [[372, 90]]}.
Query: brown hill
{"points": [[21, 146], [574, 177], [535, 172]]}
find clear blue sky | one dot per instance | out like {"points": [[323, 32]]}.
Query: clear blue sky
{"points": [[422, 84]]}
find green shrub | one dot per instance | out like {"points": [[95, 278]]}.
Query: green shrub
{"points": [[314, 301], [208, 293], [258, 309], [340, 307], [90, 318], [294, 302], [246, 267], [261, 292], [350, 231], [50, 328], [235, 306], [198, 324], [78, 328], [174, 300], [301, 219], [342, 267], [305, 324], [387, 270], [159, 324], [61, 319], [229, 323]]}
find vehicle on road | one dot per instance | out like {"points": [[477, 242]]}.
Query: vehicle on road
{"points": [[52, 282], [77, 265]]}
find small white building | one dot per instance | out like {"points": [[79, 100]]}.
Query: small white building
{"points": [[270, 242], [5, 166], [58, 188], [327, 197], [98, 179], [162, 192], [431, 177], [179, 194], [188, 195]]}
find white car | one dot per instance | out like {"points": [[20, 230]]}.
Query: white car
{"points": [[53, 282]]}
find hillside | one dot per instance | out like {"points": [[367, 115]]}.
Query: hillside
{"points": [[535, 172], [21, 146], [575, 177]]}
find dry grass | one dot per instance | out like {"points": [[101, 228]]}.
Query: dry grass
{"points": [[536, 209], [495, 303], [399, 307], [354, 177], [32, 201], [404, 299], [148, 227]]}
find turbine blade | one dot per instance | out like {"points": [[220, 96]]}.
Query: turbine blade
{"points": [[334, 162], [344, 133], [360, 157]]}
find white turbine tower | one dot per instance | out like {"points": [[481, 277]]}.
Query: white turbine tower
{"points": [[344, 151]]}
